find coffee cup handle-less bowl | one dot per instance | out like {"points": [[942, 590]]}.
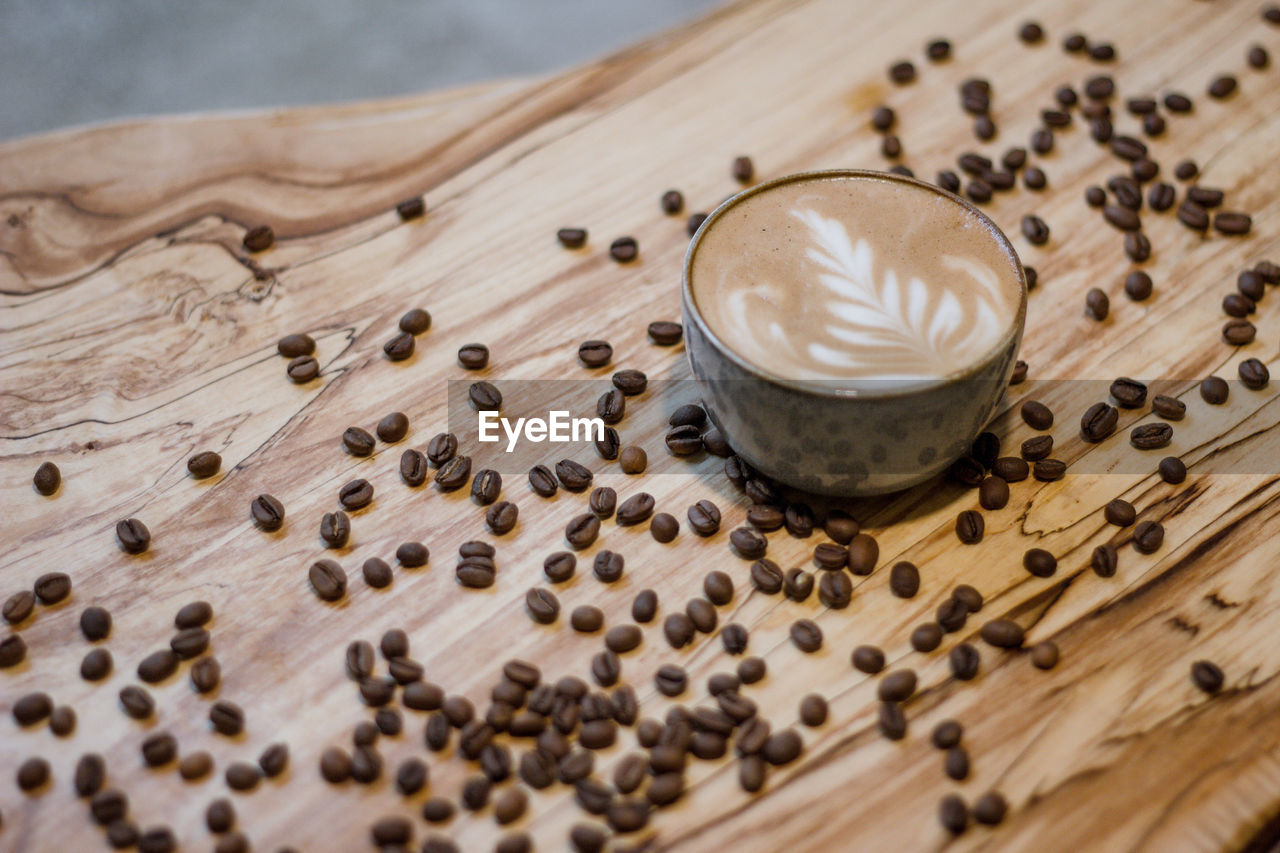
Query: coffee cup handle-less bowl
{"points": [[846, 438]]}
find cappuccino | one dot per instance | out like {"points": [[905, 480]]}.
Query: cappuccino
{"points": [[856, 276]]}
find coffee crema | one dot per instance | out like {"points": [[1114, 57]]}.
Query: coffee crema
{"points": [[855, 277]]}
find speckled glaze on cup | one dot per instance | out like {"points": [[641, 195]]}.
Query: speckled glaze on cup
{"points": [[831, 439]]}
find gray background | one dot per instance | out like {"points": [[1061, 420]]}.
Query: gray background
{"points": [[65, 62]]}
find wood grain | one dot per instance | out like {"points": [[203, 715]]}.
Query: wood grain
{"points": [[137, 331]]}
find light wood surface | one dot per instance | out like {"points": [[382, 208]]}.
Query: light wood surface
{"points": [[136, 331]]}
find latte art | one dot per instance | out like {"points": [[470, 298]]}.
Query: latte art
{"points": [[839, 279]]}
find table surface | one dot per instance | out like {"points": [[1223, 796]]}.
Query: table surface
{"points": [[137, 331]]}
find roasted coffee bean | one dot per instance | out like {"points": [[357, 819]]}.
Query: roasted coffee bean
{"points": [[32, 708], [1161, 196], [159, 749], [828, 555], [1122, 217], [749, 544], [766, 576], [572, 238], [1097, 304], [267, 512], [399, 347], [1037, 415], [586, 619], [1207, 676], [1095, 196], [454, 474], [897, 686], [840, 526], [953, 814], [797, 584], [806, 635], [670, 680], [1254, 374], [904, 579], [1103, 560], [835, 590], [259, 238], [484, 397], [1222, 86], [1049, 470], [902, 72], [1137, 246], [1044, 655], [882, 119], [891, 720], [137, 702], [190, 642], [581, 532], [501, 517], [1148, 536], [1011, 469], [1151, 436], [1193, 216], [158, 666], [1003, 633], [1035, 229], [542, 481], [560, 566], [678, 629], [133, 536], [742, 170], [949, 181], [964, 661], [891, 147], [672, 202], [1269, 271], [751, 670], [18, 606], [1040, 563], [1238, 332], [1019, 374], [377, 573], [1101, 130], [694, 223], [303, 369], [969, 527], [608, 443], [1137, 285], [412, 555], [952, 615], [1214, 390], [1257, 57], [704, 518], [1251, 285], [636, 509], [13, 651], [645, 606], [356, 494], [624, 250], [608, 566], [335, 529], [946, 734], [1036, 448], [782, 747], [1120, 513], [926, 637], [206, 673], [62, 722], [966, 470], [328, 580], [543, 606], [1127, 191], [1034, 179], [1169, 408], [979, 191], [477, 573], [1098, 422], [683, 440], [735, 638], [295, 345], [413, 468]]}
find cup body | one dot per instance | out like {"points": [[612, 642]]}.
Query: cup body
{"points": [[833, 439]]}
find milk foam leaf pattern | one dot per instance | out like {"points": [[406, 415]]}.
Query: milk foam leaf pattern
{"points": [[923, 330]]}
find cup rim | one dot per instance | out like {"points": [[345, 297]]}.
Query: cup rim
{"points": [[809, 386]]}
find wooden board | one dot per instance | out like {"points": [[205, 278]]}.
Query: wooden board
{"points": [[137, 331]]}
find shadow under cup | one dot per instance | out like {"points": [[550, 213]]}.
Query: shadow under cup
{"points": [[848, 438]]}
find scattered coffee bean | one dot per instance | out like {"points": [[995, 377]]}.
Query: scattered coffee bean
{"points": [[1120, 513], [295, 345], [542, 481], [133, 536], [1037, 415], [743, 170], [902, 72], [624, 249], [694, 223], [1122, 217], [400, 347], [1003, 633], [1044, 655], [891, 720], [969, 527], [868, 659], [572, 238], [1036, 448], [1254, 374], [543, 606], [1148, 536], [19, 606], [1222, 86], [97, 665], [454, 474], [356, 494], [1193, 216], [1207, 676], [664, 528], [926, 637], [1151, 436], [328, 580], [259, 238], [672, 202], [1238, 332], [267, 512], [1214, 390], [1169, 408], [586, 619], [1040, 563], [1097, 304], [335, 529], [1098, 422], [137, 702], [904, 579]]}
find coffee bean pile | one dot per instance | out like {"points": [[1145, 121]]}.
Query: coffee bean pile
{"points": [[537, 733]]}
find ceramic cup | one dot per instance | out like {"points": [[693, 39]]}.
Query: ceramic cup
{"points": [[830, 439]]}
